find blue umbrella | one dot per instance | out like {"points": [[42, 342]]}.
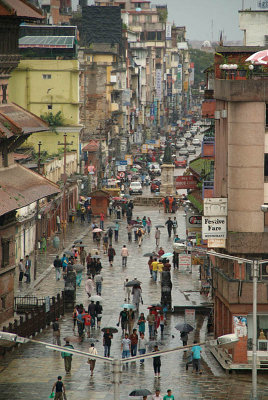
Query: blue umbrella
{"points": [[167, 255], [128, 306]]}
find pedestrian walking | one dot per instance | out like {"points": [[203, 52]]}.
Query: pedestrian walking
{"points": [[59, 389], [83, 255], [110, 208], [196, 351], [156, 363], [136, 296], [124, 254], [80, 323], [131, 320], [154, 269], [87, 323], [75, 313], [105, 243], [184, 338], [102, 216], [82, 214], [111, 254], [56, 332], [189, 357], [157, 395], [89, 213], [123, 318], [149, 225], [118, 212], [92, 313], [98, 311], [89, 286], [116, 231], [160, 267], [175, 260], [174, 205], [21, 270], [67, 357], [127, 290], [126, 346], [107, 342], [110, 236], [175, 226], [28, 264], [162, 323], [151, 322], [92, 361], [169, 395], [157, 237], [98, 282], [169, 224], [141, 323], [142, 346], [144, 223], [134, 342], [64, 263], [150, 265], [140, 236], [98, 266], [129, 232]]}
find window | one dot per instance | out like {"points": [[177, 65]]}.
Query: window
{"points": [[151, 35], [159, 36], [266, 165], [5, 252], [46, 76], [49, 107]]}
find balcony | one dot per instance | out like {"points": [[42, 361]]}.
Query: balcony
{"points": [[242, 90]]}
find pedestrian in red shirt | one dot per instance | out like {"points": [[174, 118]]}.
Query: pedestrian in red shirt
{"points": [[134, 342], [102, 220], [87, 322]]}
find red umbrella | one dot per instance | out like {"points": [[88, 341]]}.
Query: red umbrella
{"points": [[261, 57]]}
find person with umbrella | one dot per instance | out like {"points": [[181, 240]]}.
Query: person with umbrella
{"points": [[184, 338], [111, 254], [169, 224], [157, 237], [116, 231], [107, 342], [98, 311], [156, 363], [123, 317]]}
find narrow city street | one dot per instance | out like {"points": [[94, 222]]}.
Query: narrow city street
{"points": [[30, 370]]}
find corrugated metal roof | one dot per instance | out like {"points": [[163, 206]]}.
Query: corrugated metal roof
{"points": [[15, 121], [58, 42], [23, 9], [20, 187]]}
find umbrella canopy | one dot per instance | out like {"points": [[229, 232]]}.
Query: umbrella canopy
{"points": [[78, 267], [110, 328], [81, 245], [128, 306], [140, 392], [68, 253], [183, 327], [96, 298], [152, 343], [167, 255], [97, 230], [259, 58], [149, 254], [134, 169], [127, 196], [111, 227], [77, 241], [159, 226], [137, 166], [133, 222], [157, 306], [74, 339], [96, 256], [133, 283]]}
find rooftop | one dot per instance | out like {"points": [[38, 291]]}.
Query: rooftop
{"points": [[21, 9], [56, 42]]}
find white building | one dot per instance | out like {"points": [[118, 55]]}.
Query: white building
{"points": [[254, 24]]}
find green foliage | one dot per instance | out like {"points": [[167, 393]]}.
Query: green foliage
{"points": [[53, 120], [163, 14], [124, 26], [201, 60]]}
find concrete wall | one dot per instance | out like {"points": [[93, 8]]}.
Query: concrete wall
{"points": [[255, 27], [246, 130]]}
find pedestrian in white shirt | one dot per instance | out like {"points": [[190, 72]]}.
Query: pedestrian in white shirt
{"points": [[89, 286], [142, 346], [124, 254], [157, 395], [92, 361]]}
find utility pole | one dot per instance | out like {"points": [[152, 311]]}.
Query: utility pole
{"points": [[37, 213], [64, 216]]}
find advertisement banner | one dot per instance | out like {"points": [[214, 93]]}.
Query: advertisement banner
{"points": [[191, 76], [186, 182], [185, 261], [129, 159], [214, 227], [240, 325], [215, 207], [169, 85], [168, 30], [217, 243], [126, 96], [144, 148], [158, 83]]}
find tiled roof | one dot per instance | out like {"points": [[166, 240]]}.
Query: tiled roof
{"points": [[21, 8], [15, 121], [92, 146], [20, 187]]}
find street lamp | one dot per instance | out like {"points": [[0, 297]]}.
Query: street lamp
{"points": [[222, 341]]}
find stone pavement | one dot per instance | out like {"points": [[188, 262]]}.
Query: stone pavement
{"points": [[30, 370]]}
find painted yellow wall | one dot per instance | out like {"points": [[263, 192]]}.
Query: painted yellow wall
{"points": [[29, 88]]}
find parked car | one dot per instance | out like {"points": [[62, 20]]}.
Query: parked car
{"points": [[191, 149], [196, 142], [154, 169], [155, 186], [180, 163], [135, 188], [183, 152], [179, 145], [187, 135]]}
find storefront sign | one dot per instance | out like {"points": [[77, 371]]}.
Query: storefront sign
{"points": [[213, 227], [169, 85], [144, 148], [129, 159], [185, 261], [168, 30], [215, 207], [186, 182], [217, 243], [158, 82]]}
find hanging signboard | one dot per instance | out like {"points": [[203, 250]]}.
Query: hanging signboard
{"points": [[186, 182], [185, 261], [158, 78], [215, 207], [213, 227]]}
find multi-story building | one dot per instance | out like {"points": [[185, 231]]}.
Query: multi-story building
{"points": [[254, 24], [48, 77], [241, 172]]}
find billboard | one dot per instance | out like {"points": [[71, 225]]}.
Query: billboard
{"points": [[262, 4], [168, 30], [214, 227], [186, 182], [158, 82], [191, 76]]}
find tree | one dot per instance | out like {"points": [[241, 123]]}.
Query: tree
{"points": [[201, 60]]}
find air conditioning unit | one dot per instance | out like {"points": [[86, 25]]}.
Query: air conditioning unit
{"points": [[217, 115], [224, 113]]}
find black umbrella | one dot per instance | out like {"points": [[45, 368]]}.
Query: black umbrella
{"points": [[183, 327], [133, 283], [110, 328], [96, 256], [68, 253], [77, 241], [149, 254], [110, 227], [159, 226], [140, 392], [81, 245], [79, 267]]}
